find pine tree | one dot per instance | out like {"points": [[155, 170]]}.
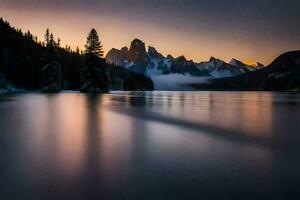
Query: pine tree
{"points": [[29, 35], [93, 73], [93, 44], [77, 50], [51, 42], [58, 42], [47, 36]]}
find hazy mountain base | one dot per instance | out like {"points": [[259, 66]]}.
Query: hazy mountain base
{"points": [[177, 81], [123, 79]]}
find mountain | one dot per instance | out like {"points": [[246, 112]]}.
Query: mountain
{"points": [[153, 53], [117, 57], [153, 63], [181, 65], [283, 74], [218, 68], [138, 57], [251, 67]]}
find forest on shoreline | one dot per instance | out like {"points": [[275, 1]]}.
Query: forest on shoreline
{"points": [[30, 64]]}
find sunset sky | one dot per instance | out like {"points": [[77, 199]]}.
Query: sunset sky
{"points": [[256, 30]]}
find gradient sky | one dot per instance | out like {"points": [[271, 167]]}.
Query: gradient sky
{"points": [[253, 30]]}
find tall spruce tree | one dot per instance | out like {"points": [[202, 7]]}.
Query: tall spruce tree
{"points": [[93, 44], [77, 50], [94, 73], [47, 36], [51, 43], [58, 42]]}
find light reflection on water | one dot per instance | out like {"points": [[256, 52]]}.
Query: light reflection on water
{"points": [[150, 145]]}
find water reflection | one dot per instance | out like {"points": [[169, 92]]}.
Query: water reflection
{"points": [[249, 114], [54, 130], [146, 145]]}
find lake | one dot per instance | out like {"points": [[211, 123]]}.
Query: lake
{"points": [[150, 145]]}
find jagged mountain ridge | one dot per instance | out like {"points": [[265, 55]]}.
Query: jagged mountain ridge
{"points": [[283, 74], [152, 63], [218, 68], [251, 67]]}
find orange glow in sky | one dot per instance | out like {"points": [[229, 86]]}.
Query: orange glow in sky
{"points": [[116, 31]]}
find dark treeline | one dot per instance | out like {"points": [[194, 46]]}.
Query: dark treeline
{"points": [[31, 64]]}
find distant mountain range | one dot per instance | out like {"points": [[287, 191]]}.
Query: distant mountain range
{"points": [[152, 63], [283, 74]]}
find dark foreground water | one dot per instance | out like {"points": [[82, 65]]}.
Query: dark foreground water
{"points": [[155, 145]]}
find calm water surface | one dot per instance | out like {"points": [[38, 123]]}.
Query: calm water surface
{"points": [[150, 145]]}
